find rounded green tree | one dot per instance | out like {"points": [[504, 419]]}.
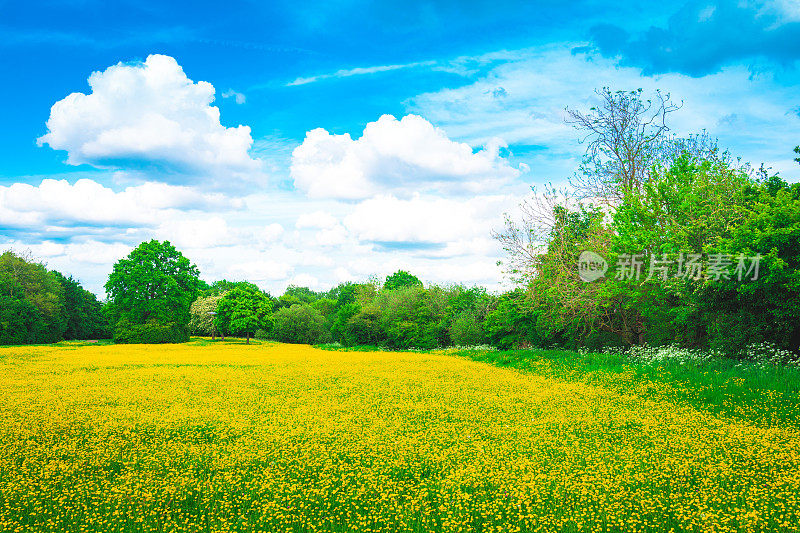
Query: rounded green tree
{"points": [[152, 288]]}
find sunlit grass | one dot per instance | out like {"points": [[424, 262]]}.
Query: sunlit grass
{"points": [[767, 395], [227, 437]]}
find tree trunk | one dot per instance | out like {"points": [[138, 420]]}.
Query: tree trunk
{"points": [[247, 337]]}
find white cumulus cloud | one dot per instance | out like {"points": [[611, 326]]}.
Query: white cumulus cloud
{"points": [[425, 220], [88, 203], [395, 156], [317, 219], [150, 115]]}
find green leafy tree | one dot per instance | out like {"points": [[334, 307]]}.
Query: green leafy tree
{"points": [[20, 321], [85, 319], [401, 279], [738, 313], [365, 328], [155, 283], [339, 328], [300, 324], [245, 309], [297, 295], [512, 324], [408, 317], [221, 287], [466, 330], [33, 301]]}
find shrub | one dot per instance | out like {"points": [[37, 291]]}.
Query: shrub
{"points": [[512, 324], [365, 328], [466, 330], [407, 318], [300, 324], [150, 333]]}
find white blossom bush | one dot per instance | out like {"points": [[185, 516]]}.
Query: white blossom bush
{"points": [[473, 348], [761, 354], [768, 354]]}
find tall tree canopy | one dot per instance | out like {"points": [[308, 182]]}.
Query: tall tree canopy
{"points": [[401, 279], [641, 193], [154, 283], [31, 302], [84, 313]]}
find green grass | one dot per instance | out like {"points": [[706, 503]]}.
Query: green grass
{"points": [[766, 395]]}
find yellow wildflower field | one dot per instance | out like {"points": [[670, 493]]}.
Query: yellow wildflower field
{"points": [[227, 437]]}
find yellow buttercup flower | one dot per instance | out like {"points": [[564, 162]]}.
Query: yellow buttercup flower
{"points": [[225, 437]]}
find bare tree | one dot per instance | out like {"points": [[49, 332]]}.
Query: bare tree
{"points": [[622, 133], [525, 237], [626, 136]]}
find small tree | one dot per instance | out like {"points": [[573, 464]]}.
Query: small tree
{"points": [[203, 310], [245, 309]]}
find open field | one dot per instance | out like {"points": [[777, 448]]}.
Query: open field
{"points": [[227, 437]]}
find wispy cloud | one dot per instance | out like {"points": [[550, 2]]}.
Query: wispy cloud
{"points": [[238, 97], [358, 71]]}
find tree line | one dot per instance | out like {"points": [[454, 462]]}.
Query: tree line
{"points": [[40, 306], [155, 295]]}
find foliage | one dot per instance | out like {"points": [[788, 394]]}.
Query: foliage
{"points": [[152, 332], [84, 313], [300, 324], [364, 328], [765, 309], [243, 310], [297, 295], [220, 287], [32, 303], [512, 324], [202, 313], [401, 279], [154, 283], [466, 330], [666, 198]]}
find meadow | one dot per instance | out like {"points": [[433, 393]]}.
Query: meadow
{"points": [[272, 437]]}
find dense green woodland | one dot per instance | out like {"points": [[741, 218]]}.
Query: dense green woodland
{"points": [[42, 306], [638, 190]]}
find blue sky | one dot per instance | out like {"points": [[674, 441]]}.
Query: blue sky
{"points": [[299, 179]]}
